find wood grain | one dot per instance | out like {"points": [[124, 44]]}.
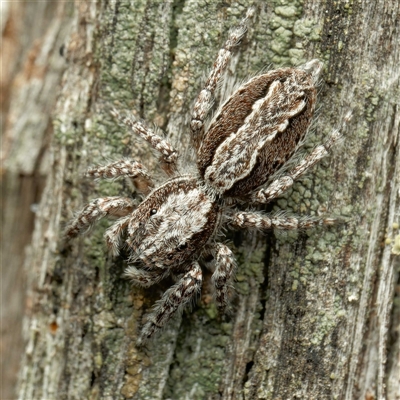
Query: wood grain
{"points": [[314, 315]]}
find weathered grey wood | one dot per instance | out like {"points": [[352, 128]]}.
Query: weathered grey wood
{"points": [[313, 312], [31, 69]]}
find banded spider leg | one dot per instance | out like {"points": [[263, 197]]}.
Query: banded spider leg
{"points": [[205, 98]]}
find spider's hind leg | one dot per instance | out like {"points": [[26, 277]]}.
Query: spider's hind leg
{"points": [[283, 183], [205, 98]]}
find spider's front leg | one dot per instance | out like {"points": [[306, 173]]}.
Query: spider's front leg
{"points": [[225, 266], [96, 210], [145, 278], [169, 155], [176, 297], [205, 99], [261, 221]]}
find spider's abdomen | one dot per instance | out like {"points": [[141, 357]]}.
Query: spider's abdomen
{"points": [[172, 224], [257, 130]]}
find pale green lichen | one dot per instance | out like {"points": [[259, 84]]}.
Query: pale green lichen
{"points": [[199, 358], [307, 29], [288, 33], [290, 11], [326, 320], [250, 270], [396, 246]]}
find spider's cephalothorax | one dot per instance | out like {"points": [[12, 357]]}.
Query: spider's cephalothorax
{"points": [[242, 155]]}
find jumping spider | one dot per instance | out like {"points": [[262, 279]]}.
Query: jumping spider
{"points": [[242, 156]]}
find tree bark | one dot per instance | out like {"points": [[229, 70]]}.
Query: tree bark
{"points": [[32, 35], [313, 315]]}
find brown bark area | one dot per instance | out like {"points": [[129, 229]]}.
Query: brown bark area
{"points": [[314, 315], [32, 34]]}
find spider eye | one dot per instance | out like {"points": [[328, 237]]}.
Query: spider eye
{"points": [[170, 256], [153, 211], [182, 246]]}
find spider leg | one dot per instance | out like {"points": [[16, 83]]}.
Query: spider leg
{"points": [[113, 234], [145, 278], [283, 183], [96, 210], [225, 265], [173, 299], [133, 170], [258, 220], [169, 155], [205, 99]]}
